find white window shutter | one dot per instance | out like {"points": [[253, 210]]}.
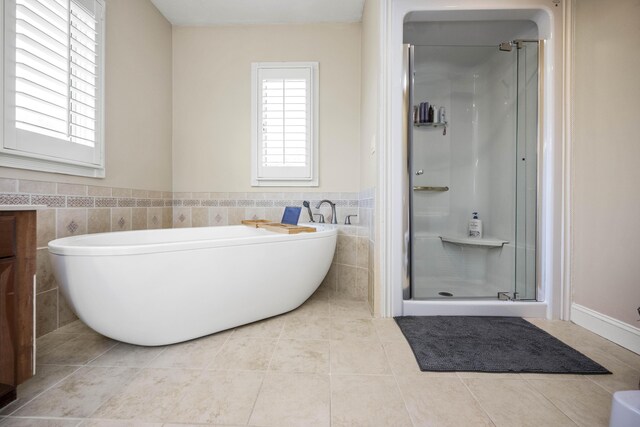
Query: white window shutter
{"points": [[53, 80], [284, 123]]}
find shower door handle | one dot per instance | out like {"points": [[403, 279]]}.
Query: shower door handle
{"points": [[422, 188]]}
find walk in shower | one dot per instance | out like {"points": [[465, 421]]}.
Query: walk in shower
{"points": [[477, 152]]}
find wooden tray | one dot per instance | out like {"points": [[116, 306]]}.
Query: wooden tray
{"points": [[286, 228], [278, 227], [255, 223]]}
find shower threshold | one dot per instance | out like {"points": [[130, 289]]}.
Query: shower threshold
{"points": [[474, 307]]}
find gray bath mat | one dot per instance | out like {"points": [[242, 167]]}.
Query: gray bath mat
{"points": [[490, 344]]}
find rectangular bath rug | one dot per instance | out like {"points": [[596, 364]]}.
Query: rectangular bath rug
{"points": [[490, 344]]}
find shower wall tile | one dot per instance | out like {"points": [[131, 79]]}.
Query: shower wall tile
{"points": [[235, 216], [218, 216], [36, 187], [71, 222], [45, 281], [72, 189], [99, 220], [139, 194], [154, 218], [199, 217], [121, 192], [65, 314], [46, 228], [46, 312], [362, 252], [96, 191], [139, 218], [181, 217], [167, 217], [8, 185], [120, 219]]}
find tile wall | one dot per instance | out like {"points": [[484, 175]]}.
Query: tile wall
{"points": [[72, 209]]}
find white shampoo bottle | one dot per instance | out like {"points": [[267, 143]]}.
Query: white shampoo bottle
{"points": [[475, 227]]}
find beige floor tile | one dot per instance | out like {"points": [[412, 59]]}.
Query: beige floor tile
{"points": [[388, 329], [441, 402], [366, 401], [402, 360], [585, 402], [112, 423], [245, 354], [77, 327], [78, 351], [622, 354], [301, 356], [80, 394], [352, 329], [307, 328], [358, 357], [623, 376], [293, 399], [46, 376], [514, 403], [350, 309], [37, 422], [313, 307], [50, 341], [268, 328], [217, 397], [122, 354], [152, 396], [490, 375], [195, 354]]}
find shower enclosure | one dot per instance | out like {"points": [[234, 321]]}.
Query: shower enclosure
{"points": [[480, 157]]}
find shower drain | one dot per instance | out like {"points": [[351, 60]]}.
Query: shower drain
{"points": [[445, 294]]}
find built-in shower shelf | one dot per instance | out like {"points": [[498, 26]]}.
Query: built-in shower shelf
{"points": [[471, 241], [430, 125]]}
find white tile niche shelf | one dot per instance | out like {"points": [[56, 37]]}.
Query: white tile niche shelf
{"points": [[473, 241]]}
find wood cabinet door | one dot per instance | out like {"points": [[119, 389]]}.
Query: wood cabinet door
{"points": [[7, 323]]}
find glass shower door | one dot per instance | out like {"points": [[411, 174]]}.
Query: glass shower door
{"points": [[464, 163]]}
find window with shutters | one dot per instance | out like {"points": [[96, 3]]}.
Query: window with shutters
{"points": [[53, 86], [284, 124]]}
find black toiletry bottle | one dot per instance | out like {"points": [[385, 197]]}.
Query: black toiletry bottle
{"points": [[430, 115]]}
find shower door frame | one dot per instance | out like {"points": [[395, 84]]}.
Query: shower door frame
{"points": [[408, 68]]}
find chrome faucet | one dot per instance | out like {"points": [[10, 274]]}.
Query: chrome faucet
{"points": [[334, 219]]}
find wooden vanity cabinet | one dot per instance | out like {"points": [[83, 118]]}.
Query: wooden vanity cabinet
{"points": [[17, 269]]}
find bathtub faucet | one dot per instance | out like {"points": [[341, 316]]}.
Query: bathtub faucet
{"points": [[334, 219]]}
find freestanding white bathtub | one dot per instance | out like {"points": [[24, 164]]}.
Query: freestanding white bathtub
{"points": [[156, 287]]}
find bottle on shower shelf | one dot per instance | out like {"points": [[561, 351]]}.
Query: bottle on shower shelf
{"points": [[442, 115], [430, 114], [475, 227]]}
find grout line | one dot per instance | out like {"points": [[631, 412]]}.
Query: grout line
{"points": [[494, 422], [530, 385], [253, 407], [46, 389]]}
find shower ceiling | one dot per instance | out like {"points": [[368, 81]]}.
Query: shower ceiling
{"points": [[225, 12]]}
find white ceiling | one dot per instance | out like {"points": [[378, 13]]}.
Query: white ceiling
{"points": [[226, 12]]}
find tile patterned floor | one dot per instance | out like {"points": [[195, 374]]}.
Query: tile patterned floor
{"points": [[327, 363]]}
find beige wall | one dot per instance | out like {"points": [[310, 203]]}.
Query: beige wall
{"points": [[369, 93], [369, 136], [606, 149], [138, 101], [211, 95]]}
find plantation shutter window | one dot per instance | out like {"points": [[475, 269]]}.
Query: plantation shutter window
{"points": [[53, 84], [284, 120]]}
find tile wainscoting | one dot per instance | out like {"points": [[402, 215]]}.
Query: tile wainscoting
{"points": [[73, 209]]}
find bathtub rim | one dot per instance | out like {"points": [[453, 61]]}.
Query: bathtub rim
{"points": [[68, 246]]}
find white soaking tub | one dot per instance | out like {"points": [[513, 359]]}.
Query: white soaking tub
{"points": [[157, 287]]}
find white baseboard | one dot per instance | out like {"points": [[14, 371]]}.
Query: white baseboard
{"points": [[612, 329]]}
